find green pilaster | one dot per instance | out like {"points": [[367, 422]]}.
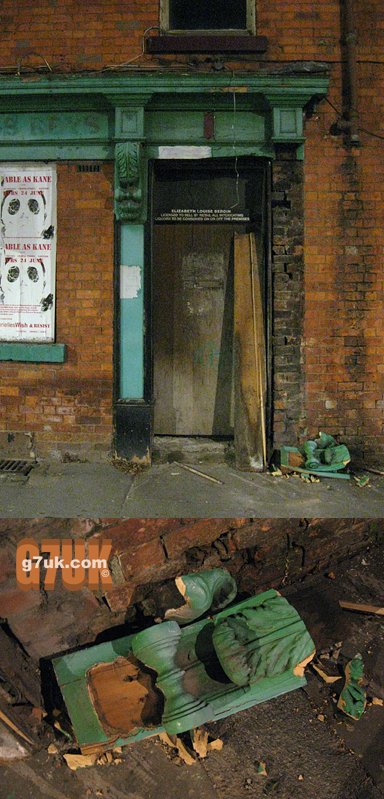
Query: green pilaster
{"points": [[132, 314]]}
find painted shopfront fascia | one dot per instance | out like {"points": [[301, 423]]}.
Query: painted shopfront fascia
{"points": [[129, 119]]}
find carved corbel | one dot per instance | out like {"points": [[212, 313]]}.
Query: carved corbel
{"points": [[129, 179]]}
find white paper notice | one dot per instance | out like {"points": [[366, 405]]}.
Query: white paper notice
{"points": [[185, 152], [130, 282], [27, 252]]}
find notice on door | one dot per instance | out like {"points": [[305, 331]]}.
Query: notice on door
{"points": [[203, 215], [27, 252]]}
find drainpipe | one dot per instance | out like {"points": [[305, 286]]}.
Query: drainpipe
{"points": [[350, 125]]}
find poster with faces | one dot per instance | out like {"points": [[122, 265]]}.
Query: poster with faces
{"points": [[27, 252]]}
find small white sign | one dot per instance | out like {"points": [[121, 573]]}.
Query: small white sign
{"points": [[185, 152], [130, 282]]}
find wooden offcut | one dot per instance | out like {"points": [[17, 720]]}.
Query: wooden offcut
{"points": [[250, 358]]}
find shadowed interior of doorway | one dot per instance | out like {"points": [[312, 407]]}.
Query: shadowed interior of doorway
{"points": [[198, 208]]}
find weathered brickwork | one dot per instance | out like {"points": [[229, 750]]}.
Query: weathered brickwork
{"points": [[259, 553], [327, 329], [67, 407], [287, 297]]}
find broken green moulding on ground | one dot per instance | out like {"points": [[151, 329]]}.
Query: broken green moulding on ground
{"points": [[171, 678], [352, 699]]}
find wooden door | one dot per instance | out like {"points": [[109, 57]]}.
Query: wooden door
{"points": [[197, 209], [193, 329]]}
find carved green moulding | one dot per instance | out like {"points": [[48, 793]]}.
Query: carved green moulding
{"points": [[63, 117], [352, 699], [168, 678], [210, 589]]}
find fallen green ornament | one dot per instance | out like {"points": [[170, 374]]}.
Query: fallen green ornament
{"points": [[352, 699], [168, 678]]}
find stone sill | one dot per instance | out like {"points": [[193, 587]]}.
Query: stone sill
{"points": [[204, 43], [36, 353]]}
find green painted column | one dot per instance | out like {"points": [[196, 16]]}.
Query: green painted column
{"points": [[131, 312]]}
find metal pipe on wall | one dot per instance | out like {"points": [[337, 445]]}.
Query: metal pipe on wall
{"points": [[350, 39]]}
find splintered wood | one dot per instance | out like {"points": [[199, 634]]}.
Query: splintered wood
{"points": [[200, 744], [250, 360]]}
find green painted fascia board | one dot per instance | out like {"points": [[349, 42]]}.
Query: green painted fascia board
{"points": [[141, 86], [72, 666], [241, 699], [37, 353]]}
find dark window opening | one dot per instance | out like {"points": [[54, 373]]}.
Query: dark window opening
{"points": [[215, 15]]}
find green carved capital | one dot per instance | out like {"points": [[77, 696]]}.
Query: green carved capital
{"points": [[262, 642]]}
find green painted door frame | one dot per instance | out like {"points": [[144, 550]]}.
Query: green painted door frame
{"points": [[129, 118]]}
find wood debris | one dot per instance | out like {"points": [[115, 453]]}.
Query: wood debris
{"points": [[75, 761], [328, 678], [79, 761], [361, 607], [175, 742], [362, 480], [215, 745], [15, 727], [199, 473], [201, 743]]}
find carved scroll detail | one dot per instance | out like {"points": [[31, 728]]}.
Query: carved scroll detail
{"points": [[128, 181], [210, 589]]}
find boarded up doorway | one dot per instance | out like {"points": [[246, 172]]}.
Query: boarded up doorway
{"points": [[197, 208]]}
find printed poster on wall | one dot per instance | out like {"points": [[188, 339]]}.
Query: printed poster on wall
{"points": [[27, 252]]}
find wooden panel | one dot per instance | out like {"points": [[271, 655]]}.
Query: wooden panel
{"points": [[250, 370], [193, 324]]}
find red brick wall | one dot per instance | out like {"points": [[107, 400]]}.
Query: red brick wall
{"points": [[68, 407], [343, 213], [148, 553], [344, 245]]}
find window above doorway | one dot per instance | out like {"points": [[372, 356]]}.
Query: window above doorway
{"points": [[217, 16]]}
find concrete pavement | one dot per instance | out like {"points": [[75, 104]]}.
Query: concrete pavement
{"points": [[168, 490]]}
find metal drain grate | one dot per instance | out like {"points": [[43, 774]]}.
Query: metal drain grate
{"points": [[16, 467]]}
